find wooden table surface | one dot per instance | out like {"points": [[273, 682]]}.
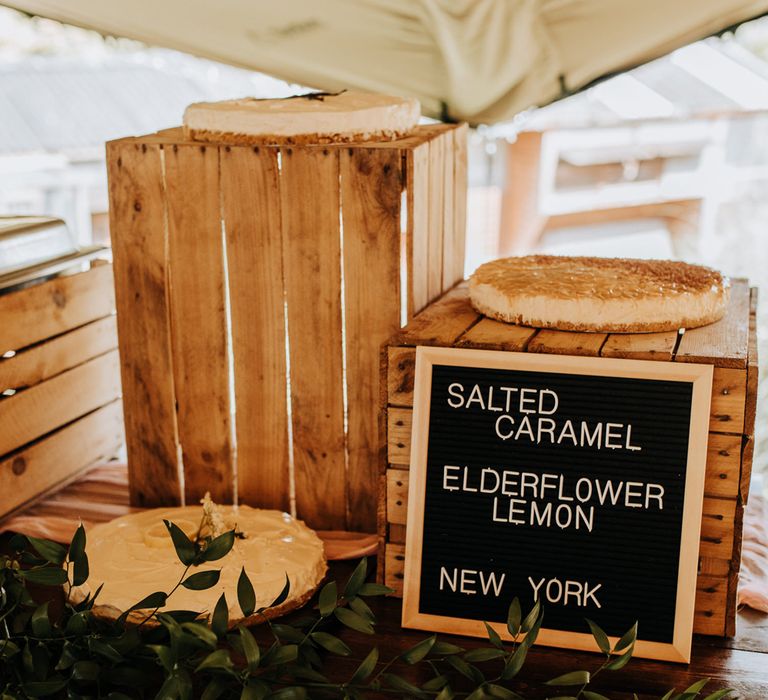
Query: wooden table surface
{"points": [[740, 663]]}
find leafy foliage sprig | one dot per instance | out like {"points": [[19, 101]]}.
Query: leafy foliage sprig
{"points": [[180, 654]]}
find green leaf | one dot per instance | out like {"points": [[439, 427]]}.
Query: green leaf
{"points": [[445, 649], [8, 649], [357, 579], [327, 600], [418, 651], [493, 636], [98, 647], [374, 589], [50, 551], [697, 687], [514, 615], [78, 557], [85, 671], [215, 689], [250, 649], [165, 655], [475, 655], [719, 694], [531, 617], [219, 659], [627, 639], [515, 662], [202, 632], [445, 694], [281, 597], [220, 617], [331, 643], [533, 633], [185, 548], [477, 694], [246, 597], [283, 654], [41, 689], [600, 637], [362, 609], [619, 662], [365, 669], [498, 691], [351, 619], [290, 693], [202, 580], [572, 678], [45, 575], [153, 600], [436, 683], [41, 625], [592, 695], [465, 669], [402, 685], [286, 633], [78, 624], [219, 547]]}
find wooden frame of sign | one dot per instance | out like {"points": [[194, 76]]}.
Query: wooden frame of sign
{"points": [[684, 389]]}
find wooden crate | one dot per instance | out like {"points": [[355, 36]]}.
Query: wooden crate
{"points": [[730, 345], [60, 383], [280, 271]]}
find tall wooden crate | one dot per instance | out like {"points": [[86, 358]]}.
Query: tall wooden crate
{"points": [[254, 288], [730, 345], [59, 383]]}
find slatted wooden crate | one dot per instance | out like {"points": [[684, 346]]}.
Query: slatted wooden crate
{"points": [[59, 383], [730, 345], [282, 270]]}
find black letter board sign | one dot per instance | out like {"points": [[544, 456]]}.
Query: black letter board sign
{"points": [[572, 480]]}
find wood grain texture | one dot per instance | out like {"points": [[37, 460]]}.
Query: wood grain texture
{"points": [[139, 240], [451, 246], [250, 194], [417, 231], [728, 400], [435, 231], [397, 496], [49, 358], [460, 192], [489, 334], [399, 423], [36, 469], [717, 528], [640, 346], [750, 403], [723, 466], [55, 307], [198, 321], [36, 411], [441, 323], [567, 343], [370, 194], [401, 375], [733, 577], [309, 190], [724, 343]]}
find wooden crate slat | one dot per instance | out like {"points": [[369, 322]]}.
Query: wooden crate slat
{"points": [[417, 229], [200, 353], [733, 577], [460, 190], [728, 400], [399, 422], [724, 343], [400, 375], [750, 404], [51, 357], [309, 187], [139, 237], [394, 568], [397, 496], [436, 212], [717, 528], [370, 195], [56, 306], [712, 566], [51, 461], [641, 346], [489, 334], [567, 343], [250, 192], [451, 250], [442, 323], [49, 405], [723, 466]]}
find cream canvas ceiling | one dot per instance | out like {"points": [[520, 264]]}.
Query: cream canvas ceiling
{"points": [[479, 60]]}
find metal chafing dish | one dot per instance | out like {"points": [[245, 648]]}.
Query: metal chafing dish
{"points": [[35, 248]]}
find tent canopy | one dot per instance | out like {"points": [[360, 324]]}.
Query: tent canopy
{"points": [[477, 60]]}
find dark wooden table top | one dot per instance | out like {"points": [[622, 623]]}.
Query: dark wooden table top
{"points": [[740, 663]]}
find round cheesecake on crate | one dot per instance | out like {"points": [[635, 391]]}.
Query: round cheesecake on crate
{"points": [[609, 295], [133, 556], [317, 117]]}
